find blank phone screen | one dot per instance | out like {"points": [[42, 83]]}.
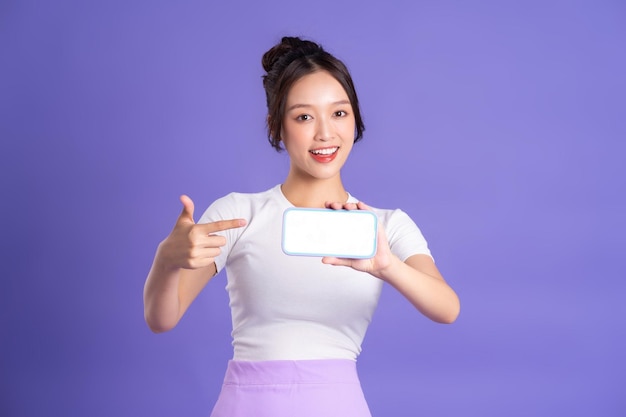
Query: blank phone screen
{"points": [[326, 232]]}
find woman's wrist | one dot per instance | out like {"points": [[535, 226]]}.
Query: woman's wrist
{"points": [[392, 270]]}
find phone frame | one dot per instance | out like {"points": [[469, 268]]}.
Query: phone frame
{"points": [[327, 232]]}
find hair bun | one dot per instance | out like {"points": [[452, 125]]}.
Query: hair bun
{"points": [[287, 46]]}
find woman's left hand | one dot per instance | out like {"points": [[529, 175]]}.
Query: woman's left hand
{"points": [[381, 260], [418, 279]]}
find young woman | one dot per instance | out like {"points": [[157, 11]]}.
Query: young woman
{"points": [[298, 322]]}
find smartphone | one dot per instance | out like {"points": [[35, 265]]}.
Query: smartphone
{"points": [[326, 232]]}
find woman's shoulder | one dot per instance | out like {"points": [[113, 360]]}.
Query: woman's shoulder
{"points": [[384, 214], [239, 198], [404, 235], [241, 204], [392, 217]]}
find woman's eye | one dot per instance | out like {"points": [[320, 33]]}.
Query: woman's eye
{"points": [[340, 113], [303, 117]]}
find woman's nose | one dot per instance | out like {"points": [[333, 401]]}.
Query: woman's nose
{"points": [[324, 130]]}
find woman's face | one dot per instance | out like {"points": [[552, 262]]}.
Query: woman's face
{"points": [[318, 126]]}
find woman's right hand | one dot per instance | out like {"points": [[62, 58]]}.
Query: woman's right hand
{"points": [[183, 265], [191, 245]]}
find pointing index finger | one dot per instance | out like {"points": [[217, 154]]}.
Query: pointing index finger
{"points": [[223, 225]]}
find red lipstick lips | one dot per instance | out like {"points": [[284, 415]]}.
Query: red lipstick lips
{"points": [[324, 155]]}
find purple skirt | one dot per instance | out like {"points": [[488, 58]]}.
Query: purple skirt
{"points": [[306, 388]]}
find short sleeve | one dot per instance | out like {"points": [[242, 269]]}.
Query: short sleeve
{"points": [[405, 238]]}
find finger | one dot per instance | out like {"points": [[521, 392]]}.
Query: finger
{"points": [[203, 239], [362, 206], [206, 253], [341, 206], [333, 205], [186, 215], [329, 260], [203, 258], [223, 225]]}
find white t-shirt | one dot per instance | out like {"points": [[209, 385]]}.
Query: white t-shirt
{"points": [[294, 307]]}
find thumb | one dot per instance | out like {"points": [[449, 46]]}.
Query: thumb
{"points": [[186, 215]]}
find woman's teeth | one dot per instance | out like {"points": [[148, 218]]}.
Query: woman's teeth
{"points": [[326, 151]]}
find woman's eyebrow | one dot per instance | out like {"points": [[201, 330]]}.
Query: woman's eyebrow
{"points": [[302, 105]]}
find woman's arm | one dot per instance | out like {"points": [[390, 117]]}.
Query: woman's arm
{"points": [[168, 292], [184, 263], [418, 279]]}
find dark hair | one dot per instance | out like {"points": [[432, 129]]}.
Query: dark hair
{"points": [[287, 62]]}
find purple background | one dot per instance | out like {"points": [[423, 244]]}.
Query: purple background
{"points": [[498, 126]]}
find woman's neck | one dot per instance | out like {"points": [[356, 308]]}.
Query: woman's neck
{"points": [[314, 192]]}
